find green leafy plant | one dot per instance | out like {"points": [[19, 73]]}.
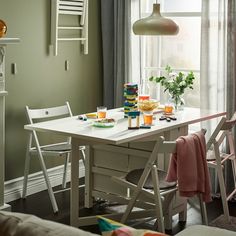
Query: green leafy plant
{"points": [[175, 83]]}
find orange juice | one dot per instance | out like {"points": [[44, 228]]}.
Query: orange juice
{"points": [[168, 109], [148, 118], [143, 97], [101, 114]]}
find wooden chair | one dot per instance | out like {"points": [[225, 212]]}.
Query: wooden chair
{"points": [[216, 158], [62, 149], [151, 183]]}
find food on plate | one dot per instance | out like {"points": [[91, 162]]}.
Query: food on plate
{"points": [[104, 123], [106, 120], [91, 115]]}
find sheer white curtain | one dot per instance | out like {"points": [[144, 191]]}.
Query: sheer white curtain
{"points": [[213, 75], [231, 58], [213, 54], [218, 61]]}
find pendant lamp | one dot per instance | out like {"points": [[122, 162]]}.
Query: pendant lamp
{"points": [[155, 24]]}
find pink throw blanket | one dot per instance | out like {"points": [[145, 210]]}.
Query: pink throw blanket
{"points": [[188, 165]]}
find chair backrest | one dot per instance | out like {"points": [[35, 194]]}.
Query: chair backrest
{"points": [[73, 7], [42, 114], [46, 113], [160, 147], [223, 130]]}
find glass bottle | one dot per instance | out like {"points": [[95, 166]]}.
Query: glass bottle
{"points": [[144, 91]]}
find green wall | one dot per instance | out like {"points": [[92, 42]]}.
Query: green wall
{"points": [[41, 79]]}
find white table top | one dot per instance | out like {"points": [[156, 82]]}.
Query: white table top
{"points": [[84, 130]]}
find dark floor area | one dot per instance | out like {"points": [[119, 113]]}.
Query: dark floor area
{"points": [[39, 205]]}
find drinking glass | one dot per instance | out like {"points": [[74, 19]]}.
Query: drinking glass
{"points": [[148, 117], [101, 112], [168, 108]]}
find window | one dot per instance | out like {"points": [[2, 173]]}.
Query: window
{"points": [[151, 54]]}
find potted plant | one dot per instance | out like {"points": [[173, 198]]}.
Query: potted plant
{"points": [[175, 84]]}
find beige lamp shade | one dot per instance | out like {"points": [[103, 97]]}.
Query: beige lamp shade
{"points": [[155, 24]]}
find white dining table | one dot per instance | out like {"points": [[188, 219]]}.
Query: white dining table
{"points": [[84, 133]]}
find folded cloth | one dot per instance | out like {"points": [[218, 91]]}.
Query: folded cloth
{"points": [[188, 166]]}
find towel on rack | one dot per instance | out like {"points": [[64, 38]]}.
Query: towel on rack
{"points": [[188, 165]]}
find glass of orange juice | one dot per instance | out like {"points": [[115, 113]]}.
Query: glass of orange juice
{"points": [[168, 108], [148, 117], [142, 97], [101, 112]]}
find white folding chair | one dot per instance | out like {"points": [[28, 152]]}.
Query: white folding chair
{"points": [[217, 157], [150, 182], [62, 149], [79, 32]]}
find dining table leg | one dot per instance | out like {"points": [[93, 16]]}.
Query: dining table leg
{"points": [[88, 198], [74, 192]]}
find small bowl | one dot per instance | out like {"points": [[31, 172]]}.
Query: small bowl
{"points": [[148, 105]]}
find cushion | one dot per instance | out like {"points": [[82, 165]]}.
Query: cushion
{"points": [[134, 176], [203, 230], [18, 224], [112, 228]]}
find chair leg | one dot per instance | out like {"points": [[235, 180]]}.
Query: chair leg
{"points": [[167, 210], [168, 221], [26, 173], [233, 163], [65, 170], [136, 193], [223, 192], [50, 191], [158, 201], [216, 181], [130, 205], [83, 156], [203, 210], [183, 214]]}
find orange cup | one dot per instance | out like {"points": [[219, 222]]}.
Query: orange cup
{"points": [[101, 112], [148, 118], [168, 109]]}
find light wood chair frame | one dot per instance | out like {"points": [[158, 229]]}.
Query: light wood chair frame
{"points": [[162, 198], [34, 148], [222, 132]]}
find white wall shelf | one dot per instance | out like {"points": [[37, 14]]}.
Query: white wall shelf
{"points": [[3, 44], [5, 41], [69, 7]]}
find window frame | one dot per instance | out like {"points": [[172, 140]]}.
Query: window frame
{"points": [[144, 69]]}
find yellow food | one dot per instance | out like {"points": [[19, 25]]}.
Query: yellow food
{"points": [[148, 105], [91, 115]]}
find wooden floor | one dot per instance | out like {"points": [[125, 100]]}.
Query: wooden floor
{"points": [[39, 205]]}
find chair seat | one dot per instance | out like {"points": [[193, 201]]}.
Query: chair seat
{"points": [[63, 147], [60, 147], [211, 155], [135, 175]]}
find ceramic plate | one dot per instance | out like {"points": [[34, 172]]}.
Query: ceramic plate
{"points": [[104, 123]]}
